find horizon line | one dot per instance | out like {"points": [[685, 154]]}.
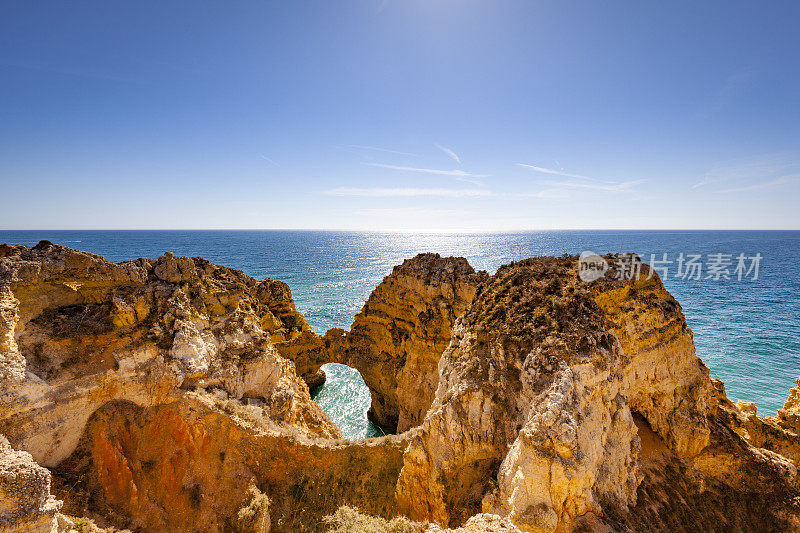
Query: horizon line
{"points": [[400, 230]]}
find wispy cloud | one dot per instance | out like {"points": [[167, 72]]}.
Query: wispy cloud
{"points": [[269, 159], [450, 153], [549, 193], [783, 180], [735, 86], [744, 170], [593, 183], [405, 192], [753, 173], [377, 149], [454, 193], [471, 181], [454, 173], [704, 182], [408, 212], [552, 193], [558, 172], [625, 186]]}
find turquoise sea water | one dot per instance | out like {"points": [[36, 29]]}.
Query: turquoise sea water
{"points": [[747, 332]]}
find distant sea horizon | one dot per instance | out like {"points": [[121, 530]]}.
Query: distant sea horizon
{"points": [[747, 331], [404, 231]]}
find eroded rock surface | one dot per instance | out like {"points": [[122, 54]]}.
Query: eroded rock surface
{"points": [[26, 505], [171, 395], [349, 520], [789, 415], [535, 413], [79, 334], [80, 331], [397, 338], [190, 466]]}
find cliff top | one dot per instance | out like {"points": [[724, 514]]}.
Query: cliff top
{"points": [[526, 302], [433, 268]]}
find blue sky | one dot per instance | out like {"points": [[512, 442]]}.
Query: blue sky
{"points": [[413, 115]]}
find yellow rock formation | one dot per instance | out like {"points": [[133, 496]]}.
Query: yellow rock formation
{"points": [[171, 395]]}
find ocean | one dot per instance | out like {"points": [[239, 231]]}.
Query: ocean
{"points": [[746, 330]]}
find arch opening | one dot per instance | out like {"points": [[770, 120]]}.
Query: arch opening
{"points": [[346, 399]]}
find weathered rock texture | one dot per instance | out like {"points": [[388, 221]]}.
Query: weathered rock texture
{"points": [[535, 415], [291, 334], [119, 358], [396, 340], [789, 415], [170, 395], [80, 332], [350, 520], [189, 465], [26, 504]]}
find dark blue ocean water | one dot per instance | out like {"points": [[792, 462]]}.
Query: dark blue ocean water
{"points": [[747, 332]]}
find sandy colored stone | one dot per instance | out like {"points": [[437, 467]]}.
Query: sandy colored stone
{"points": [[789, 415], [26, 505], [90, 332], [535, 415], [397, 338], [191, 466], [171, 395]]}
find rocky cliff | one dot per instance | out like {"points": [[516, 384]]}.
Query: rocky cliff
{"points": [[26, 504], [171, 395], [397, 338], [547, 392], [140, 345], [80, 332]]}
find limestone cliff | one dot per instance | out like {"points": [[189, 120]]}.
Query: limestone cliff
{"points": [[79, 332], [543, 393], [81, 336], [397, 338], [26, 504], [191, 466], [789, 415], [350, 520], [291, 334], [170, 395], [778, 434]]}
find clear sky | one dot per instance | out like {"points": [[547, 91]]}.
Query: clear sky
{"points": [[389, 114]]}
